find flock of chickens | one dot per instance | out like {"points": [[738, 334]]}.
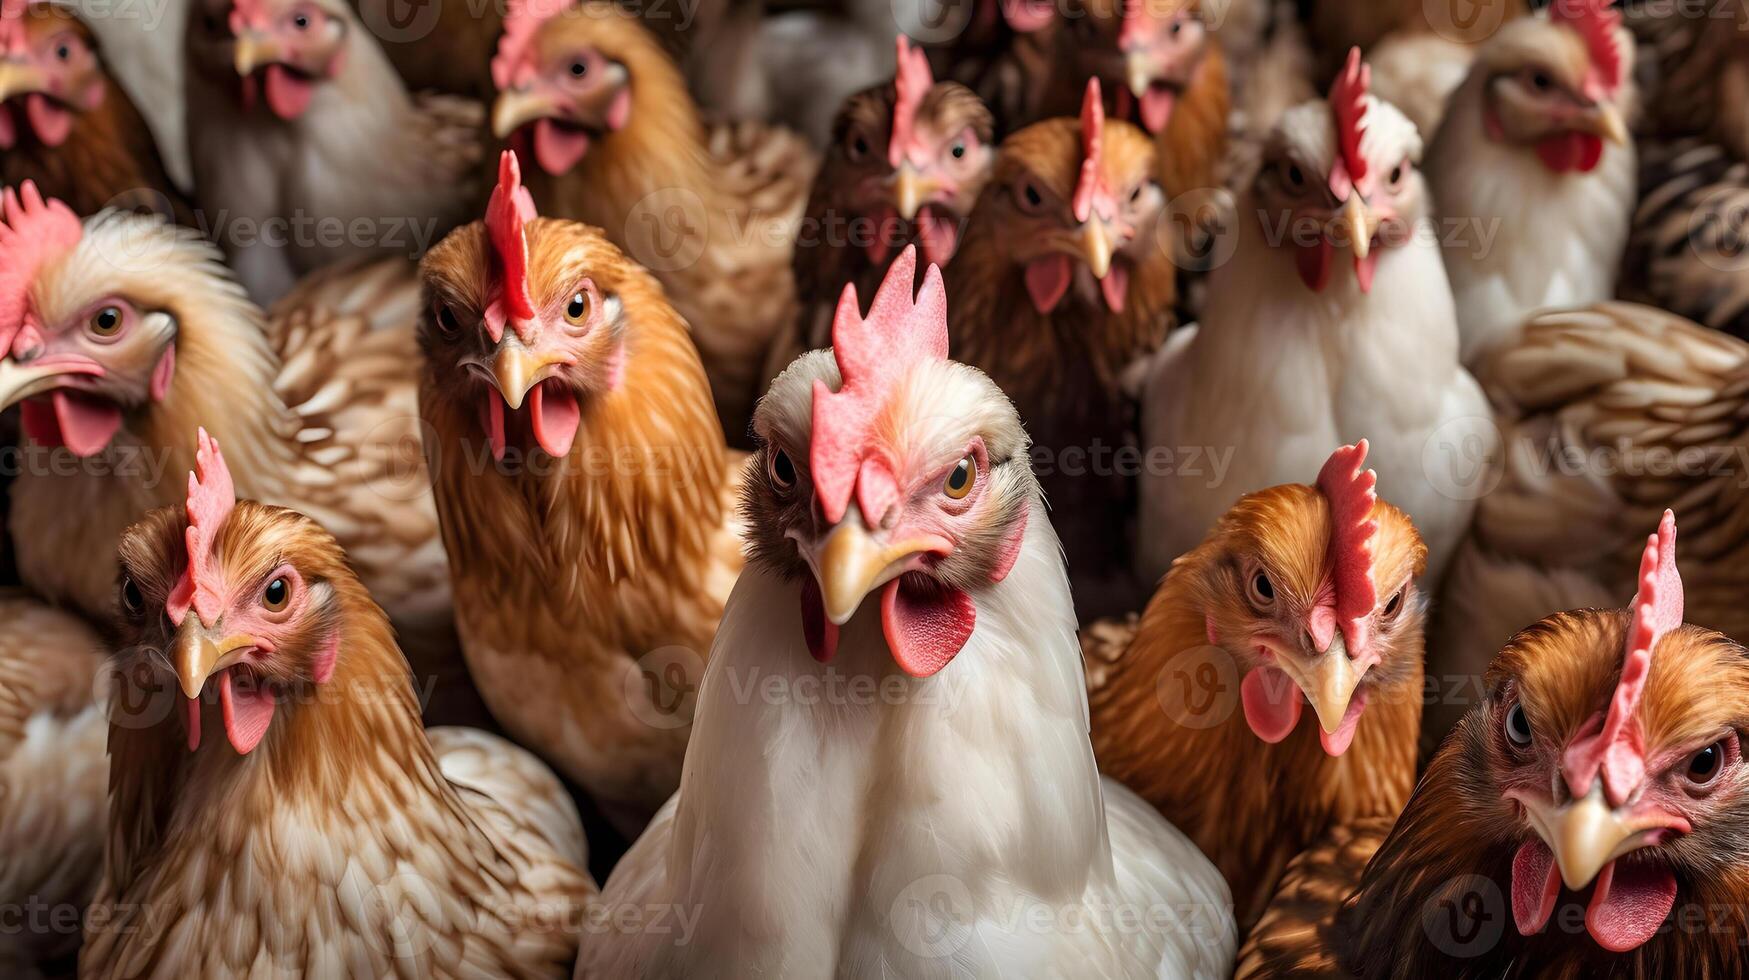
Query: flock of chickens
{"points": [[855, 508]]}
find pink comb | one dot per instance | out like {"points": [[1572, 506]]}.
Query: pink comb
{"points": [[35, 231], [1134, 27], [1091, 194], [511, 205], [211, 496], [1657, 607], [873, 353], [1596, 23], [12, 35], [248, 13], [910, 83], [1348, 104], [1352, 494], [514, 62]]}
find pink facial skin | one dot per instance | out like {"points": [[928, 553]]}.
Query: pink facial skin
{"points": [[55, 77], [97, 353], [301, 45], [586, 96], [1171, 47]]}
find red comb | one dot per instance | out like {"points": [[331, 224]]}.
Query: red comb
{"points": [[211, 495], [33, 232], [522, 19], [1134, 25], [1657, 608], [910, 83], [874, 353], [1348, 104], [510, 206], [1091, 194], [247, 13], [1352, 493], [1596, 23]]}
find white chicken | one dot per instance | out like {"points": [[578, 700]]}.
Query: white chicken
{"points": [[1533, 171], [1294, 355], [907, 788]]}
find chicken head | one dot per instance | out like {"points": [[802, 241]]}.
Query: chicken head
{"points": [[49, 73], [560, 91], [1556, 84], [277, 50]]}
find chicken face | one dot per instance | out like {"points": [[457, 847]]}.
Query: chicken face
{"points": [[238, 596], [86, 329], [1079, 208], [277, 49], [524, 319], [1323, 187], [918, 153], [888, 468], [1555, 86], [49, 73], [1146, 52], [1280, 593], [560, 90]]}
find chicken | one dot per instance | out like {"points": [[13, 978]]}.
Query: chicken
{"points": [[1693, 72], [907, 162], [1163, 70], [585, 494], [66, 124], [588, 95], [123, 333], [1062, 280], [339, 162], [1684, 253], [1305, 591], [326, 832], [1608, 415], [1294, 355], [437, 47], [1002, 51], [1585, 820], [52, 777], [934, 810], [141, 49], [1534, 171]]}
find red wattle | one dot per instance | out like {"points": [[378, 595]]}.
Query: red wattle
{"points": [[1115, 287], [83, 423], [1536, 885], [1364, 269], [1272, 703], [8, 127], [1313, 263], [1571, 151], [1047, 280], [925, 626], [288, 93], [494, 423], [554, 414], [557, 147], [1157, 107], [939, 236], [820, 633], [51, 121], [248, 710], [1628, 904], [1337, 742]]}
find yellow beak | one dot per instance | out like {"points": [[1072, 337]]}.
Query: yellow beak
{"points": [[1357, 221], [252, 52], [196, 656], [20, 381], [19, 79], [852, 563], [514, 110], [1587, 834], [1607, 122], [910, 191], [1096, 245], [516, 369], [1138, 72], [1328, 680]]}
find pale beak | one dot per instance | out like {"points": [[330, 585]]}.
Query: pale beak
{"points": [[516, 369], [516, 109], [1138, 70], [19, 79], [1328, 680], [1096, 244], [852, 562], [1607, 122], [910, 191], [196, 656], [252, 52], [21, 381], [1358, 221], [1587, 834]]}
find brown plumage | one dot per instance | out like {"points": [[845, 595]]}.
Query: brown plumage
{"points": [[1436, 900], [1007, 68], [588, 587], [108, 157], [1296, 937], [1683, 251], [1337, 25], [712, 212], [1166, 713], [438, 47], [1695, 70], [1063, 368], [347, 840], [51, 778]]}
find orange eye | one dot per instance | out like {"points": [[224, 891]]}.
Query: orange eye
{"points": [[960, 481], [277, 594]]}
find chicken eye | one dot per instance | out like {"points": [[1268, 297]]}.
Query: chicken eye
{"points": [[301, 22], [958, 150], [106, 322], [858, 147], [446, 321], [782, 470], [1296, 177], [1395, 604], [578, 308], [1030, 198], [960, 481], [1540, 81], [276, 595], [1262, 590], [132, 602], [1517, 726], [579, 69], [1397, 174], [1704, 766], [64, 51]]}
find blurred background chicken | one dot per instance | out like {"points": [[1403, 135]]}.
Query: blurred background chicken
{"points": [[1063, 280], [1331, 322], [887, 836], [122, 334], [52, 781], [67, 125], [601, 116], [307, 148], [1585, 818], [584, 491], [1685, 249], [274, 797], [1307, 592], [906, 163], [1607, 415], [1533, 171]]}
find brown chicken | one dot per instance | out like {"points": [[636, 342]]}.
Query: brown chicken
{"points": [[121, 334], [1003, 54], [585, 494], [1584, 820], [1061, 282], [1684, 251], [1304, 592], [599, 111], [51, 780], [1607, 416], [907, 162], [1696, 71], [1162, 69], [273, 796], [66, 124]]}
